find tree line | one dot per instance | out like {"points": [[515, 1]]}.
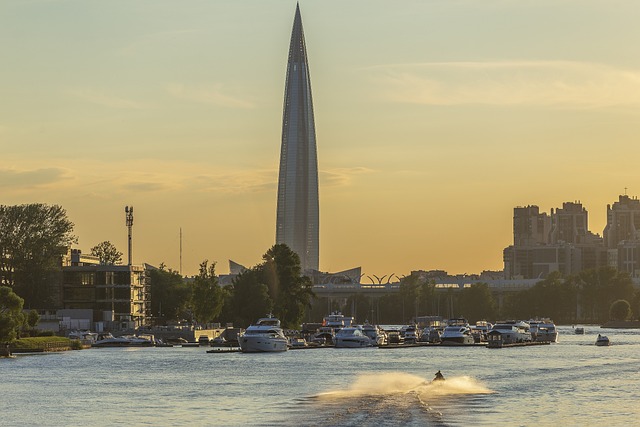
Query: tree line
{"points": [[591, 296], [275, 286], [34, 237]]}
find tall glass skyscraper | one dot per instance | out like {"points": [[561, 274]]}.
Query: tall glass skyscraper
{"points": [[297, 222]]}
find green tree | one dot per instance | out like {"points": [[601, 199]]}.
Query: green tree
{"points": [[11, 317], [554, 297], [359, 306], [33, 238], [107, 253], [635, 304], [170, 295], [32, 319], [207, 297], [390, 310], [249, 299], [409, 294], [620, 310], [426, 298], [599, 288], [477, 303], [288, 288]]}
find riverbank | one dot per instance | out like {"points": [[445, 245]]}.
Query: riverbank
{"points": [[44, 344], [632, 324]]}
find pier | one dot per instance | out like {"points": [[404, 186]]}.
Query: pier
{"points": [[499, 344]]}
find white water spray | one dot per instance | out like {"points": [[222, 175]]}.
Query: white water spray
{"points": [[389, 383]]}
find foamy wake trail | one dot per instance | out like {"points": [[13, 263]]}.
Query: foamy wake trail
{"points": [[388, 383], [452, 385]]}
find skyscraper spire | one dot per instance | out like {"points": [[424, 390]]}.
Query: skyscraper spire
{"points": [[297, 222]]}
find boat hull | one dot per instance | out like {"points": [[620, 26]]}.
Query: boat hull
{"points": [[465, 340], [547, 337], [261, 344], [352, 343]]}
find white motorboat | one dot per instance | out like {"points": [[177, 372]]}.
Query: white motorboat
{"points": [[395, 337], [430, 328], [265, 336], [375, 334], [457, 333], [543, 330], [410, 334], [108, 340], [602, 341], [430, 335], [337, 321], [352, 338]]}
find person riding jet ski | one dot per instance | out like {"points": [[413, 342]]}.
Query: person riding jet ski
{"points": [[439, 376]]}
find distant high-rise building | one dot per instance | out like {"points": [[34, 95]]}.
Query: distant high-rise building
{"points": [[570, 224], [530, 227], [559, 242], [622, 235], [623, 222], [297, 221]]}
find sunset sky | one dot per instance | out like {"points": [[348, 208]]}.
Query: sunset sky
{"points": [[434, 119]]}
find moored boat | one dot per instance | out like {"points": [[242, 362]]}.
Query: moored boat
{"points": [[457, 333], [394, 337], [297, 343], [410, 334], [375, 334], [108, 340], [511, 332], [337, 321], [430, 334], [543, 330], [352, 338], [480, 330], [265, 336]]}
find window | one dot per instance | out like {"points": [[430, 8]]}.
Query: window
{"points": [[86, 279]]}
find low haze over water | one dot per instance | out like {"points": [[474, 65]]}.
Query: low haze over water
{"points": [[571, 383]]}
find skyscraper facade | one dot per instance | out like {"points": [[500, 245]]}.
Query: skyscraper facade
{"points": [[297, 220]]}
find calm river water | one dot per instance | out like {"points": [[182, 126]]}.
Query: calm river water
{"points": [[571, 383]]}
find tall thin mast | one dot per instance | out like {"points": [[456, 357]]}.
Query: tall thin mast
{"points": [[129, 219]]}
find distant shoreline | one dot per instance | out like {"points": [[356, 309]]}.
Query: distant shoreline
{"points": [[632, 324]]}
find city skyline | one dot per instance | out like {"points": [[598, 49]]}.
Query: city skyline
{"points": [[436, 119]]}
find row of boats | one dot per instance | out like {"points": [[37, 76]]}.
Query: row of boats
{"points": [[267, 335], [337, 330]]}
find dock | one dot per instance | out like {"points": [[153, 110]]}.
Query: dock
{"points": [[425, 344], [224, 350], [308, 347], [517, 344]]}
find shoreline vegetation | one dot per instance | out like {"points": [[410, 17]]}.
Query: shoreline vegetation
{"points": [[622, 324], [44, 344]]}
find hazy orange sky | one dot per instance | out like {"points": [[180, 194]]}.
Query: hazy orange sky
{"points": [[433, 120]]}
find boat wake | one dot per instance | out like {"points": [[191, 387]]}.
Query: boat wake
{"points": [[389, 383], [390, 399]]}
